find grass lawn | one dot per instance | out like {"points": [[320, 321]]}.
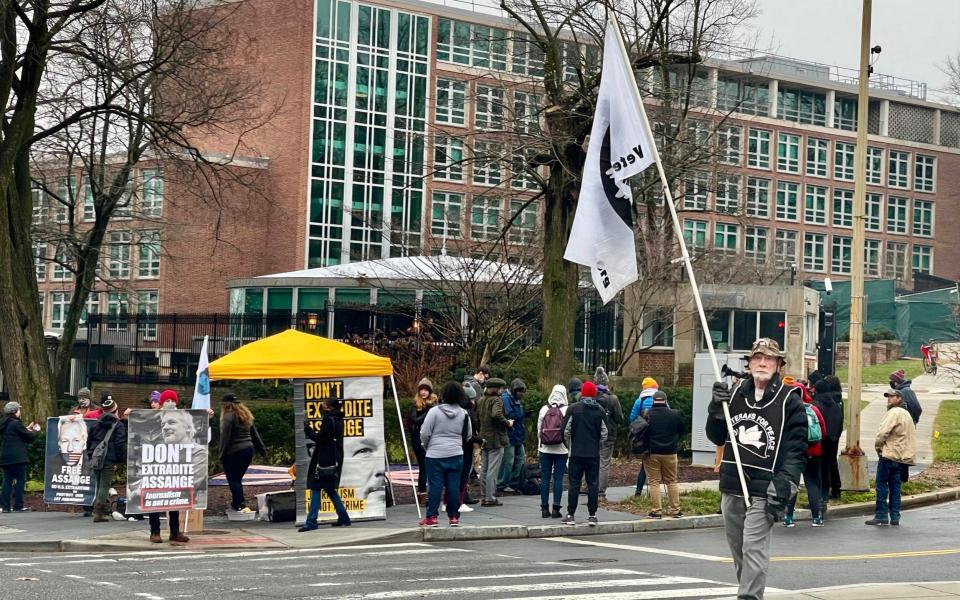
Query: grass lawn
{"points": [[881, 373], [946, 441]]}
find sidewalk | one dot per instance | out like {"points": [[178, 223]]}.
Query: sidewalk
{"points": [[876, 591]]}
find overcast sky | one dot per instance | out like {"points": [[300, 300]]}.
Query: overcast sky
{"points": [[916, 35]]}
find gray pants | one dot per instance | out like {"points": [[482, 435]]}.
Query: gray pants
{"points": [[490, 459], [748, 533], [606, 457]]}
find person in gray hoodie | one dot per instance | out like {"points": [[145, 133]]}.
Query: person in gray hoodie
{"points": [[553, 456], [443, 432]]}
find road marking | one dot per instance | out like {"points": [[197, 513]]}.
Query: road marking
{"points": [[661, 551], [649, 595], [545, 587], [536, 574], [905, 554], [352, 554], [148, 596]]}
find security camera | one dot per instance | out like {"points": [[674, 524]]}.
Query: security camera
{"points": [[828, 286]]}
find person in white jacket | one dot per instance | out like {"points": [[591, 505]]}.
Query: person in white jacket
{"points": [[553, 452]]}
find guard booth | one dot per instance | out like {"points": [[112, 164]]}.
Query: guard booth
{"points": [[703, 377]]}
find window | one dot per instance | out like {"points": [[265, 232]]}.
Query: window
{"points": [[923, 218], [657, 326], [89, 212], [811, 333], [896, 215], [843, 161], [487, 157], [737, 329], [924, 173], [448, 158], [117, 311], [471, 44], [525, 217], [743, 96], [845, 114], [899, 169], [788, 202], [59, 305], [525, 117], [895, 261], [730, 141], [815, 205], [445, 214], [841, 253], [814, 252], [489, 107], [695, 233], [91, 307], [818, 157], [39, 203], [66, 198], [725, 237], [524, 174], [873, 212], [698, 132], [148, 260], [695, 191], [148, 304], [40, 260], [451, 102], [785, 249], [125, 201], [871, 257], [875, 166], [151, 201], [843, 208], [788, 153], [922, 258], [758, 197], [727, 197], [527, 56], [802, 106], [755, 244], [485, 218], [62, 264], [758, 149], [120, 255]]}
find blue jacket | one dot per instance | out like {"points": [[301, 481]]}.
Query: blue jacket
{"points": [[643, 403], [513, 410]]}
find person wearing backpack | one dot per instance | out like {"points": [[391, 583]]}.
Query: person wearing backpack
{"points": [[816, 426], [584, 432], [610, 404], [641, 405], [833, 417], [666, 427], [106, 448], [553, 453]]}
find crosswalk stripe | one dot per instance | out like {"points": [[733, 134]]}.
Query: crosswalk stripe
{"points": [[537, 574], [538, 587], [647, 594], [662, 551]]}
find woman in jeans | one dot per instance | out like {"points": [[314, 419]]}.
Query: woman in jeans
{"points": [[238, 441], [422, 402], [553, 457], [14, 438], [326, 464], [444, 430]]}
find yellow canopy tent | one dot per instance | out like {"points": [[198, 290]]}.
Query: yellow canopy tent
{"points": [[293, 354]]}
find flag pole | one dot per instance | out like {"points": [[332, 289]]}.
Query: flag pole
{"points": [[685, 256]]}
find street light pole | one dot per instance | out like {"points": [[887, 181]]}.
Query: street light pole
{"points": [[853, 464]]}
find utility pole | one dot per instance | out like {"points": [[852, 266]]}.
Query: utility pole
{"points": [[853, 463]]}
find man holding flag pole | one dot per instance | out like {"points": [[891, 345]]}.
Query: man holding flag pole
{"points": [[622, 145]]}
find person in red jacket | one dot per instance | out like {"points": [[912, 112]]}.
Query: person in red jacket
{"points": [[811, 474]]}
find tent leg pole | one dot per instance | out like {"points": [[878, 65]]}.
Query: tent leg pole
{"points": [[406, 451], [386, 465]]}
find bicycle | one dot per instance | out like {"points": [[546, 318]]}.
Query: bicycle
{"points": [[929, 358]]}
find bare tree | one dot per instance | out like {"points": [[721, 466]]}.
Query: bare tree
{"points": [[119, 86]]}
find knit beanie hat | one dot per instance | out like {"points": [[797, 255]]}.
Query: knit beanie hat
{"points": [[154, 396], [589, 390], [574, 385], [600, 377], [650, 382], [897, 377], [169, 396]]}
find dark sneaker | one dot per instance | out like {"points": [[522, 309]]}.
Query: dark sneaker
{"points": [[592, 521], [569, 520], [491, 503], [341, 524], [556, 513], [878, 522], [817, 522], [305, 529], [21, 510], [894, 523], [677, 515], [544, 512], [654, 515]]}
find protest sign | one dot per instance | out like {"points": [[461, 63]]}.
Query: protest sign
{"points": [[67, 476]]}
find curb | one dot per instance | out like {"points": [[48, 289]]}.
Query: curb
{"points": [[505, 532]]}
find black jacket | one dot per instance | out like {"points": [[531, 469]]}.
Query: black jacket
{"points": [[666, 428], [584, 429], [236, 436], [14, 439], [328, 449], [910, 401], [789, 453], [832, 414], [117, 447], [610, 403]]}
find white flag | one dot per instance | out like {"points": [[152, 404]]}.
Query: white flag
{"points": [[201, 391], [602, 233]]}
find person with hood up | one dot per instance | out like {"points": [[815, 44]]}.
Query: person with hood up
{"points": [[422, 402], [14, 438], [511, 469], [84, 405], [444, 430], [471, 449], [811, 472], [641, 405], [830, 442], [584, 432], [553, 452], [111, 428], [573, 390], [835, 389], [493, 426], [609, 402], [899, 382]]}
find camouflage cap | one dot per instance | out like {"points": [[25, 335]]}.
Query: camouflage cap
{"points": [[767, 347]]}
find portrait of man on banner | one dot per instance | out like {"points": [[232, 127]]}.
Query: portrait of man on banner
{"points": [[67, 476]]}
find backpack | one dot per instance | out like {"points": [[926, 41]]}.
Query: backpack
{"points": [[551, 427], [530, 483], [98, 457], [814, 434], [640, 434]]}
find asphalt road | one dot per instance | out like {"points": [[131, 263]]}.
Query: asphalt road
{"points": [[686, 564]]}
